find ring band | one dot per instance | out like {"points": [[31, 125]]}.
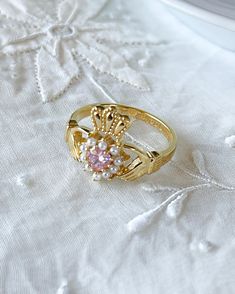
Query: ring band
{"points": [[103, 150]]}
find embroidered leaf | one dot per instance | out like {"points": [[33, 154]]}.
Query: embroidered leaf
{"points": [[105, 60], [144, 219], [7, 34], [22, 43], [53, 76], [27, 12], [174, 208], [200, 162], [55, 67], [202, 246], [11, 10], [63, 289], [140, 222], [66, 10], [230, 141]]}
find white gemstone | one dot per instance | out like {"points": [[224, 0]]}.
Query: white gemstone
{"points": [[91, 142], [96, 177], [118, 161], [106, 175], [87, 167], [113, 169], [82, 157], [114, 150], [83, 147], [102, 145]]}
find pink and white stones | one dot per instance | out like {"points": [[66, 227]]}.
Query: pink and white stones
{"points": [[99, 158]]}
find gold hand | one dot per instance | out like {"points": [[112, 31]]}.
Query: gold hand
{"points": [[74, 137], [142, 164]]}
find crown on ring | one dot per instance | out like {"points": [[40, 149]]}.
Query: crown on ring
{"points": [[109, 123], [102, 151]]}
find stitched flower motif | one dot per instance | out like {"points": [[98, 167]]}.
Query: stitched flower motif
{"points": [[61, 40]]}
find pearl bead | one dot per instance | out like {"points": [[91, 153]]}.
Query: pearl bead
{"points": [[106, 175], [91, 142], [83, 147], [114, 150], [87, 167], [82, 157], [102, 145], [96, 177], [118, 161], [113, 169]]}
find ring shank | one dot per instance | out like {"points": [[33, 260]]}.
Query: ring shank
{"points": [[137, 114]]}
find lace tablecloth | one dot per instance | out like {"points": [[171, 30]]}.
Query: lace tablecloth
{"points": [[171, 232]]}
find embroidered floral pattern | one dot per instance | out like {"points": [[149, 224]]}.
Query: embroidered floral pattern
{"points": [[174, 203], [62, 40]]}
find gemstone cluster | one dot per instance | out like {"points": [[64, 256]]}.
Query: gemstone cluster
{"points": [[100, 158]]}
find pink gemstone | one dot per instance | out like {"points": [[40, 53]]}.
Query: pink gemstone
{"points": [[98, 159]]}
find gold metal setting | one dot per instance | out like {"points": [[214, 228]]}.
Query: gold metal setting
{"points": [[103, 149]]}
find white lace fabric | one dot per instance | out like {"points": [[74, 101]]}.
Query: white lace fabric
{"points": [[60, 232]]}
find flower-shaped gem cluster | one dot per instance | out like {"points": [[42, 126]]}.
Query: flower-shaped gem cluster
{"points": [[102, 159]]}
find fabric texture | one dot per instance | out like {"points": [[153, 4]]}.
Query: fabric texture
{"points": [[60, 232]]}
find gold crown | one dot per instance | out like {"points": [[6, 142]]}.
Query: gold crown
{"points": [[109, 122]]}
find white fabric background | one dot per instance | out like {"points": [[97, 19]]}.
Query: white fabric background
{"points": [[60, 231]]}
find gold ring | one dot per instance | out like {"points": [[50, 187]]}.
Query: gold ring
{"points": [[103, 150]]}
